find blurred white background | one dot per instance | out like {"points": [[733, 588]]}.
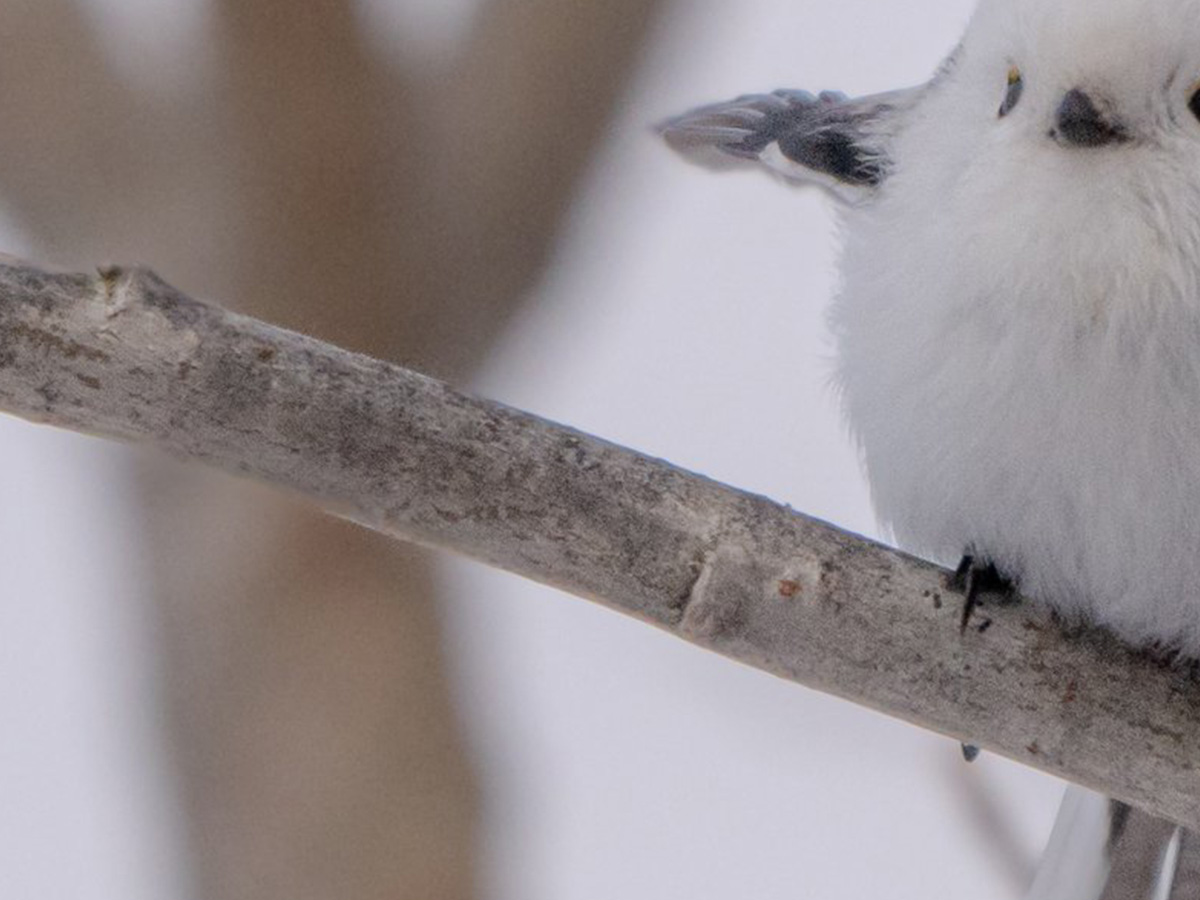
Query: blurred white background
{"points": [[683, 315]]}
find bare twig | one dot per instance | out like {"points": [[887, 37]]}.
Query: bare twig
{"points": [[125, 355]]}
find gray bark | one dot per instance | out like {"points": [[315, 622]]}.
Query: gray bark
{"points": [[124, 355]]}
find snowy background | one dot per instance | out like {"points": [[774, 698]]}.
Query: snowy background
{"points": [[616, 762]]}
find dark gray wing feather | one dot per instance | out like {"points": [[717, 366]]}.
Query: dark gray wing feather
{"points": [[829, 139]]}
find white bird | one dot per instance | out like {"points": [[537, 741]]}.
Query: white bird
{"points": [[1018, 321]]}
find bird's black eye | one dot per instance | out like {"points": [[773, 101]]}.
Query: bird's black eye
{"points": [[1194, 102], [1016, 84]]}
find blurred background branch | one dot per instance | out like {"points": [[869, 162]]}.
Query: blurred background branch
{"points": [[303, 674]]}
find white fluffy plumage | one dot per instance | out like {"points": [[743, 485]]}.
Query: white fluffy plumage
{"points": [[1018, 325], [1018, 322]]}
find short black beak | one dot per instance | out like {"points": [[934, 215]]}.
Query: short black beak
{"points": [[1079, 123]]}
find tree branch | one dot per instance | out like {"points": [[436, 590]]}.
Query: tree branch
{"points": [[124, 355]]}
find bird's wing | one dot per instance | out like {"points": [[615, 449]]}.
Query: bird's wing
{"points": [[840, 143]]}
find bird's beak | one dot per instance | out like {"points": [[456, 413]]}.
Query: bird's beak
{"points": [[1079, 123]]}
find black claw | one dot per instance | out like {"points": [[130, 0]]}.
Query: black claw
{"points": [[973, 578], [958, 581], [970, 752]]}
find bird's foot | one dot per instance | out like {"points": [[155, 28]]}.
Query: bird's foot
{"points": [[973, 578]]}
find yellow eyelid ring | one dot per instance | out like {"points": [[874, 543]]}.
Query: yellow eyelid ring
{"points": [[1016, 85]]}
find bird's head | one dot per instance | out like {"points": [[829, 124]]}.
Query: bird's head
{"points": [[1065, 136], [1088, 74]]}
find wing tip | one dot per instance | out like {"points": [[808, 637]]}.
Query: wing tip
{"points": [[729, 132]]}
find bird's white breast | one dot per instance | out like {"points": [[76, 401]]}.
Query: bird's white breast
{"points": [[1021, 366]]}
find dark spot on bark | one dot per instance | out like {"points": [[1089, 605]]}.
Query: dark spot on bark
{"points": [[266, 354], [235, 386], [88, 381], [1033, 748], [1070, 694], [359, 444], [1159, 730], [789, 589], [447, 515], [53, 343], [41, 289]]}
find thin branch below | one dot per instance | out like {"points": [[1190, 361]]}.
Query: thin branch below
{"points": [[124, 355]]}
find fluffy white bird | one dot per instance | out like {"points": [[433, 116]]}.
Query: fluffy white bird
{"points": [[1018, 323]]}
